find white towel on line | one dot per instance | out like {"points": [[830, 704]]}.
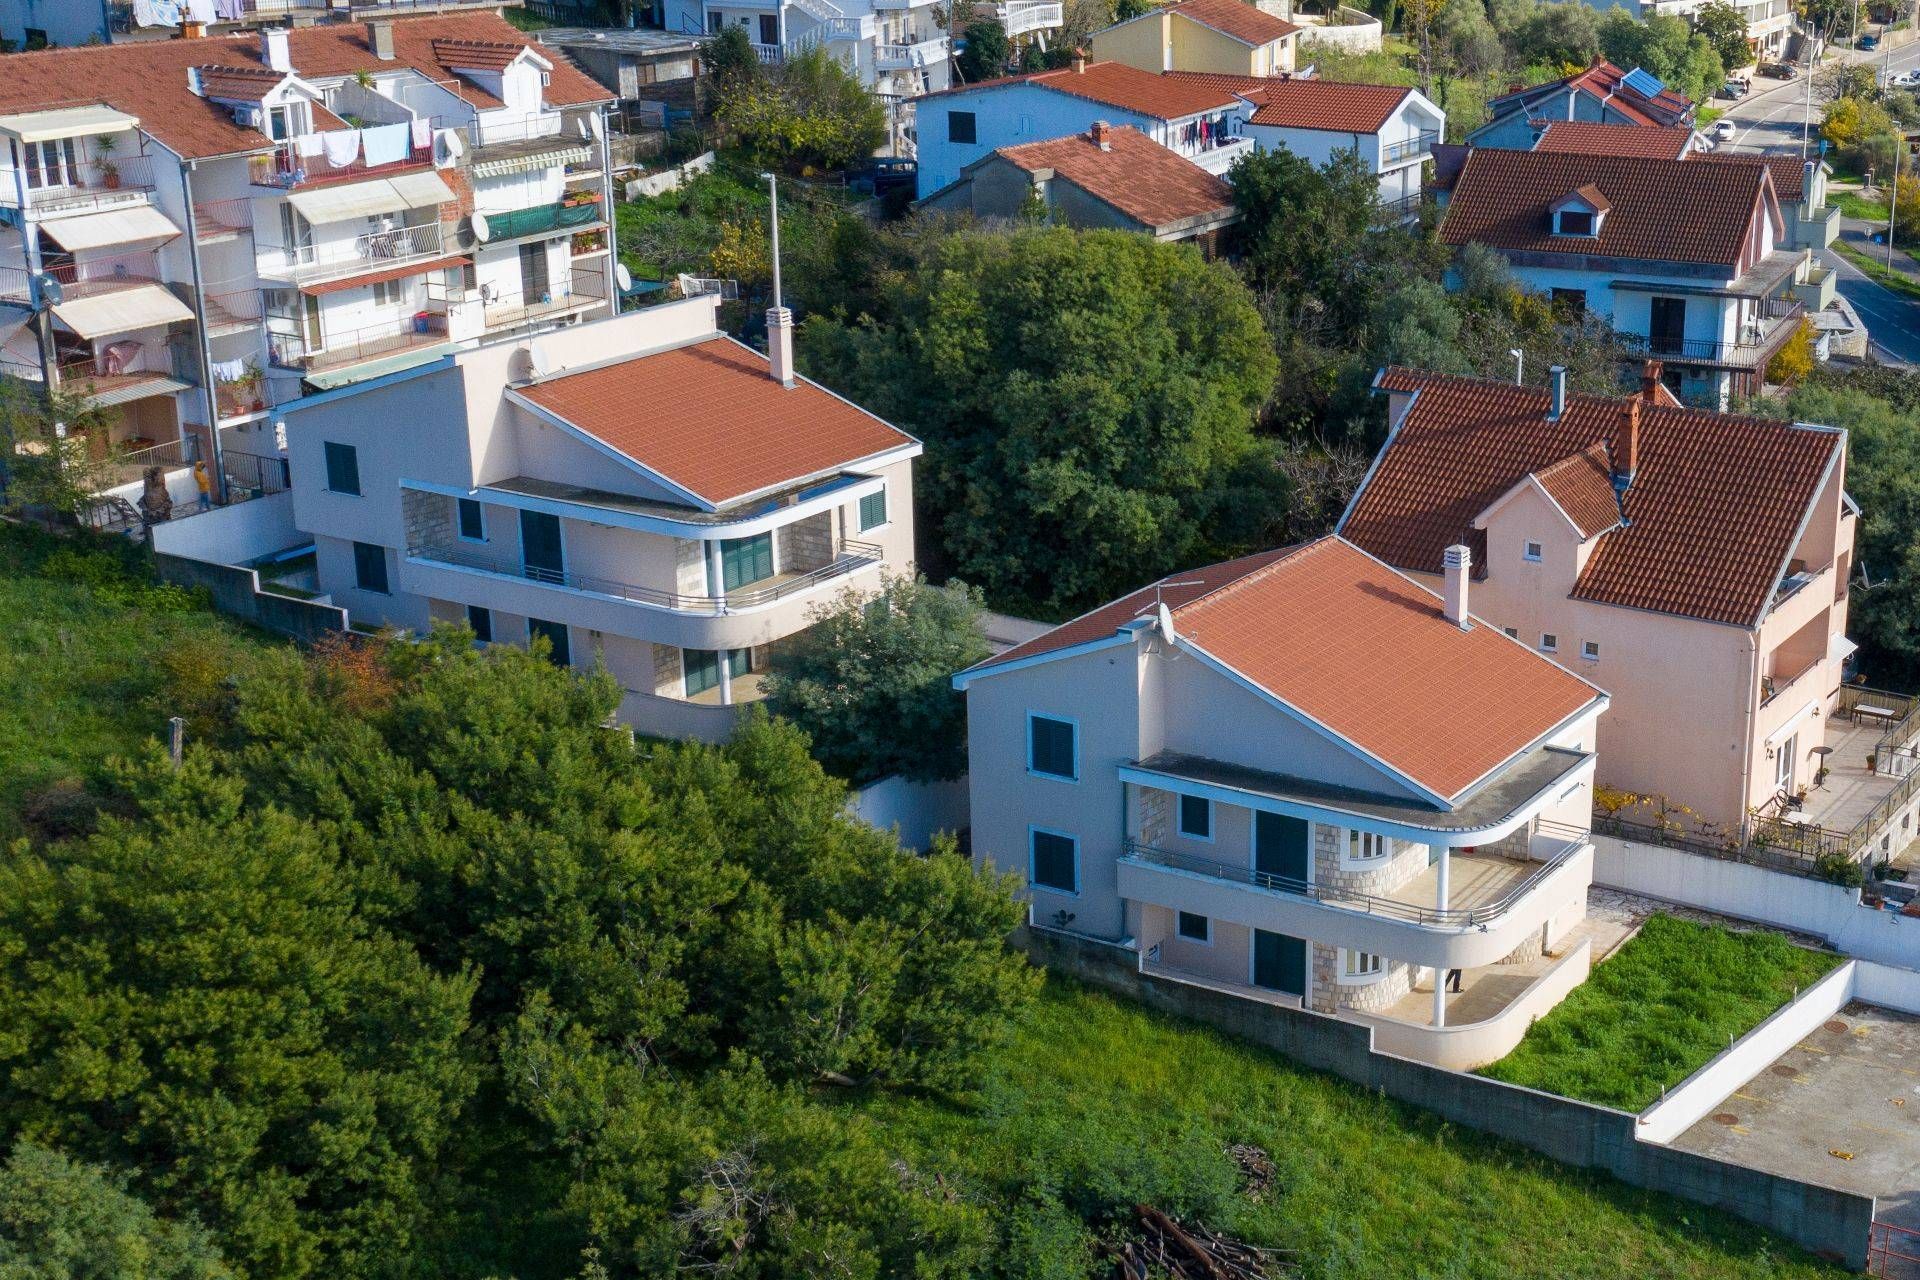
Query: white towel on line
{"points": [[422, 133], [342, 146], [307, 145], [386, 143]]}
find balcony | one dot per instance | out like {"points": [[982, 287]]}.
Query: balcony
{"points": [[1418, 147], [1217, 156], [583, 291], [336, 350], [910, 57], [287, 168], [1401, 209], [1757, 341], [1818, 228], [1494, 902], [372, 251], [1023, 16], [90, 183], [541, 220]]}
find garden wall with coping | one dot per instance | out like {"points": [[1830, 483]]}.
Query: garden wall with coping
{"points": [[237, 592], [1823, 1220]]}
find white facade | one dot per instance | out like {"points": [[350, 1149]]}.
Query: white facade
{"points": [[1398, 151], [470, 508]]}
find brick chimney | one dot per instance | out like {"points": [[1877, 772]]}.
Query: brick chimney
{"points": [[1558, 408], [380, 39], [1650, 381], [274, 51], [780, 345], [1101, 135], [1079, 62], [1459, 568], [1626, 443]]}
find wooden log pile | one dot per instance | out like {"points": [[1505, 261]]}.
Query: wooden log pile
{"points": [[1167, 1248]]}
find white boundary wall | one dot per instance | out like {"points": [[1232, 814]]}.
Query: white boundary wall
{"points": [[918, 809], [233, 534], [1468, 1045], [1755, 893]]}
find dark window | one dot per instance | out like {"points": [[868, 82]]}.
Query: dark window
{"points": [[873, 511], [1196, 817], [1192, 927], [1053, 862], [960, 126], [1050, 748], [1667, 327], [1575, 222], [480, 622], [702, 669], [744, 561], [473, 521], [541, 552], [739, 662], [370, 567], [769, 28], [561, 653], [343, 468]]}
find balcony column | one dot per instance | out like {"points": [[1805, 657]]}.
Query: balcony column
{"points": [[726, 677], [1440, 971], [716, 575]]}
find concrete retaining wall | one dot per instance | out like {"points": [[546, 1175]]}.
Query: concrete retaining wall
{"points": [[233, 534], [918, 809], [1886, 986], [1753, 893], [1702, 1091], [236, 591], [1359, 31], [658, 184], [1824, 1220]]}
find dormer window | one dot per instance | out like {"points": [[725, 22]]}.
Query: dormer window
{"points": [[1579, 213], [1575, 222]]}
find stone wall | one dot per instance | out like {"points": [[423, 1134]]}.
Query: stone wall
{"points": [[1156, 815], [806, 544], [1403, 863], [429, 518], [666, 671], [1330, 995], [690, 568]]}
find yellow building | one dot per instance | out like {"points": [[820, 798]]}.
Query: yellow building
{"points": [[1223, 37]]}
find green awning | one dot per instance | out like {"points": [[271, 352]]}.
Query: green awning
{"points": [[328, 379]]}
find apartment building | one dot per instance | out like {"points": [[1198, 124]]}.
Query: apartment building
{"points": [[1769, 22], [198, 230], [1693, 564], [1601, 94], [1302, 778], [1689, 261], [1224, 37], [644, 492]]}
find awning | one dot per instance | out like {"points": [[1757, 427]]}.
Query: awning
{"points": [[381, 277], [347, 201], [66, 122], [128, 392], [144, 306], [421, 190], [561, 153], [132, 225], [12, 321], [328, 379]]}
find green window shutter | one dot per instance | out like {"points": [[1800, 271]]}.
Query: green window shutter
{"points": [[1050, 747], [745, 561], [343, 468], [702, 667], [1053, 862], [873, 511]]}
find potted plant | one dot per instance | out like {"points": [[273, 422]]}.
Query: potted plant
{"points": [[252, 383], [364, 79], [103, 147]]}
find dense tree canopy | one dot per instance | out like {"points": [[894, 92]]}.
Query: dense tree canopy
{"points": [[806, 113], [1665, 46], [64, 1220], [1087, 400]]}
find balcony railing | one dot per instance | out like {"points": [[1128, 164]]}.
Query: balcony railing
{"points": [[542, 219], [94, 181], [216, 219], [370, 251], [1419, 145], [853, 556], [500, 310], [1757, 338], [286, 167], [1556, 842], [1022, 16], [1399, 209], [905, 57], [291, 350]]}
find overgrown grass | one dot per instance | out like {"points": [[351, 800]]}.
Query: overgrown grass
{"points": [[1659, 1009], [1096, 1103], [90, 657], [1875, 268], [1854, 205]]}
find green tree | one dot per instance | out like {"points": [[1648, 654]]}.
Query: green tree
{"points": [[1558, 35], [54, 454], [810, 113], [986, 51], [729, 60], [1665, 46], [870, 681], [1726, 30], [1860, 134], [63, 1220], [1087, 400]]}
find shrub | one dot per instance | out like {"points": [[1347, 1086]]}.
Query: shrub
{"points": [[1839, 869]]}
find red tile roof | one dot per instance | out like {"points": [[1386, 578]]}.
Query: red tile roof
{"points": [[1348, 642], [1789, 172], [148, 78], [1236, 18], [1584, 137], [1662, 210], [1582, 485], [1327, 104], [1605, 82], [1136, 175], [708, 418], [1713, 512], [238, 84], [481, 55], [1167, 96]]}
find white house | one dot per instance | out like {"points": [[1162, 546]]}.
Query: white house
{"points": [[645, 492], [1394, 129], [1302, 778]]}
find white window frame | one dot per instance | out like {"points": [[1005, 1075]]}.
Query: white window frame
{"points": [[1532, 552], [1549, 642], [1179, 817], [1590, 650], [1026, 748], [1352, 838], [1361, 968], [1033, 884], [1206, 940]]}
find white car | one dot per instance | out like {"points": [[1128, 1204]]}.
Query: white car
{"points": [[1906, 79], [1724, 131]]}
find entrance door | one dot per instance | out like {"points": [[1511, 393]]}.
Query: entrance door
{"points": [[540, 552], [533, 273], [1280, 850], [1783, 762], [1667, 329], [1279, 962], [769, 28]]}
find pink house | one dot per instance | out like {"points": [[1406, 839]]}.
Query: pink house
{"points": [[1693, 564]]}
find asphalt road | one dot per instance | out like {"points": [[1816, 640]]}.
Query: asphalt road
{"points": [[1775, 118]]}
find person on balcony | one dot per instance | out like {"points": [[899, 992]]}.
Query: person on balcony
{"points": [[205, 484]]}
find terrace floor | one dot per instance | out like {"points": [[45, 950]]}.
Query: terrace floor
{"points": [[1473, 880], [1486, 991], [1850, 791]]}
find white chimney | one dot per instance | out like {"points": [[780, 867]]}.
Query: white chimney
{"points": [[780, 344], [1459, 567], [1559, 408], [273, 49], [380, 39]]}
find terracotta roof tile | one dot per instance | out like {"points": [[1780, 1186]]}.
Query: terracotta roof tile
{"points": [[1115, 84], [1789, 171], [1585, 137], [1582, 484], [148, 78], [1713, 511], [1136, 175], [710, 419], [238, 84], [1348, 642], [1327, 104], [1662, 210], [1236, 18], [480, 55]]}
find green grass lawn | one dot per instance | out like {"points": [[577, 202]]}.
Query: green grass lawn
{"points": [[1097, 1103], [1657, 1010], [1854, 205], [83, 666]]}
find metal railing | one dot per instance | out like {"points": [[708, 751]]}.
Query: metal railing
{"points": [[214, 218], [257, 473], [852, 557], [99, 179], [292, 350], [391, 248], [498, 308], [558, 126], [1754, 341], [1418, 145], [1571, 839], [1022, 16], [543, 219], [1398, 209], [901, 57], [285, 167]]}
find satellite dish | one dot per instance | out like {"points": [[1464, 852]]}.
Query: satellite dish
{"points": [[480, 230], [598, 125], [447, 148], [49, 290], [528, 364], [623, 277], [536, 359], [582, 126], [1165, 620]]}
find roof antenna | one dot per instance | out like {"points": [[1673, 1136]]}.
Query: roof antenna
{"points": [[1163, 616]]}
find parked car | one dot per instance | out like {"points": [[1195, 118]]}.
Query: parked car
{"points": [[1906, 79], [1734, 89], [1724, 131], [1779, 70]]}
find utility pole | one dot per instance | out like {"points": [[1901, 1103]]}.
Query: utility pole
{"points": [[1893, 201]]}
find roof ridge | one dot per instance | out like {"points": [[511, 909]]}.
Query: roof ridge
{"points": [[1286, 555], [1595, 452]]}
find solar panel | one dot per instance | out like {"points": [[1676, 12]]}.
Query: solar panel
{"points": [[1643, 82]]}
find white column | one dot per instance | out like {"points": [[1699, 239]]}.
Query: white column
{"points": [[726, 677], [716, 574], [1440, 971]]}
